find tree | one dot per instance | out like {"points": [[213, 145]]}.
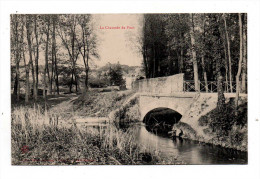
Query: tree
{"points": [[229, 54], [37, 54], [67, 33], [116, 75], [16, 45], [29, 40], [177, 30], [202, 46], [87, 44], [194, 60], [54, 51], [244, 63], [219, 62], [154, 43], [26, 65], [240, 60], [203, 54], [226, 58], [46, 68]]}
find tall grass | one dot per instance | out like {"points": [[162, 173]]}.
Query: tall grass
{"points": [[43, 138]]}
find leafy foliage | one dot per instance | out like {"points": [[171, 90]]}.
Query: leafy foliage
{"points": [[166, 46], [223, 121], [116, 76]]}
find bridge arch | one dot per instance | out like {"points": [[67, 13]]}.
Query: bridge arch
{"points": [[161, 120], [148, 103], [165, 113]]}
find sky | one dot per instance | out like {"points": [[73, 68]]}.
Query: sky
{"points": [[118, 44]]}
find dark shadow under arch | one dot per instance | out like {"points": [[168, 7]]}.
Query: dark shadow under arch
{"points": [[161, 120]]}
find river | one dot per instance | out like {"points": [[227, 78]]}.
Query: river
{"points": [[188, 151], [191, 152]]}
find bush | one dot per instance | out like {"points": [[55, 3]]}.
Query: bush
{"points": [[203, 121], [222, 122]]}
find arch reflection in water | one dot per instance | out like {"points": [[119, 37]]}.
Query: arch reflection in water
{"points": [[161, 120]]}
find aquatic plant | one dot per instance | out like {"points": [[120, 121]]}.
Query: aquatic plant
{"points": [[43, 138]]}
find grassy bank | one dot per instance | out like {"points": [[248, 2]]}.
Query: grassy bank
{"points": [[93, 103], [227, 128], [128, 112], [41, 138]]}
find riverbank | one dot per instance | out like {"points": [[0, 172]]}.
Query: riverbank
{"points": [[42, 137], [93, 103], [226, 129]]}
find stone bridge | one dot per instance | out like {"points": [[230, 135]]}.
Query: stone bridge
{"points": [[169, 92], [177, 102], [169, 97], [164, 92]]}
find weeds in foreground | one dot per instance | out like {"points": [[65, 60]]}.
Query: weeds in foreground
{"points": [[42, 138]]}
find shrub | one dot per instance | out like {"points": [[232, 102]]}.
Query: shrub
{"points": [[203, 121], [222, 122]]}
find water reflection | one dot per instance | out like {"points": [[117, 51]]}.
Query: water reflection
{"points": [[161, 120], [191, 152]]}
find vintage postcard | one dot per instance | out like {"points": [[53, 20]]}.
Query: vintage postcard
{"points": [[129, 89], [138, 89]]}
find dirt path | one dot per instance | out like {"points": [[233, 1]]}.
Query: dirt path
{"points": [[62, 104]]}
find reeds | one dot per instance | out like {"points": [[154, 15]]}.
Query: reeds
{"points": [[44, 138]]}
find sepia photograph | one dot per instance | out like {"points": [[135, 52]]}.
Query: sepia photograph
{"points": [[129, 89]]}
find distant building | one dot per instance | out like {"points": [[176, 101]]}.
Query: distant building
{"points": [[129, 81]]}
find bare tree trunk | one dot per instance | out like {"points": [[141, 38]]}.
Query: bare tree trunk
{"points": [[86, 79], [226, 67], [55, 53], [52, 74], [203, 56], [226, 58], [46, 69], [244, 66], [240, 61], [28, 19], [194, 60], [71, 81], [219, 64], [52, 69], [27, 69], [17, 60], [73, 57], [17, 83], [44, 83], [229, 54], [46, 56], [27, 94], [204, 73], [37, 54], [87, 70], [181, 61], [49, 81], [77, 83]]}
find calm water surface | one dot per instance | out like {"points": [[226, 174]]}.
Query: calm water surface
{"points": [[191, 152]]}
